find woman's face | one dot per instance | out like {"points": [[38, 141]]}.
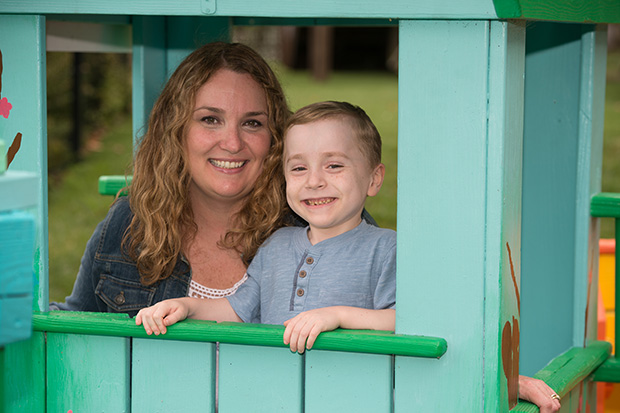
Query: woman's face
{"points": [[228, 137]]}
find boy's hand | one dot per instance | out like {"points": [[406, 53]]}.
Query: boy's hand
{"points": [[302, 330], [165, 313]]}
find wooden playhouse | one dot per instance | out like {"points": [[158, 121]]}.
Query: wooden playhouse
{"points": [[500, 140]]}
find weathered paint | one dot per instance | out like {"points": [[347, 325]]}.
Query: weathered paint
{"points": [[24, 376], [22, 42], [88, 373]]}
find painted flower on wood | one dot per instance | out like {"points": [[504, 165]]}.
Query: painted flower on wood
{"points": [[510, 359], [510, 343], [5, 108]]}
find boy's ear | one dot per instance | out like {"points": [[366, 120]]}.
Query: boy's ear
{"points": [[376, 180]]}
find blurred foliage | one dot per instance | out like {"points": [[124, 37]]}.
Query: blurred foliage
{"points": [[104, 98]]}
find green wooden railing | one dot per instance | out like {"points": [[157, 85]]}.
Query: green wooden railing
{"points": [[356, 341], [104, 362], [567, 370], [607, 205], [112, 184]]}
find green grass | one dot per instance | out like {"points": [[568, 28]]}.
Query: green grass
{"points": [[75, 207], [611, 142]]}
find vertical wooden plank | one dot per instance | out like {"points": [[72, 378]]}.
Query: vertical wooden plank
{"points": [[186, 33], [589, 167], [442, 207], [87, 373], [156, 362], [259, 379], [24, 376], [348, 382], [564, 88], [22, 43], [148, 68], [503, 221]]}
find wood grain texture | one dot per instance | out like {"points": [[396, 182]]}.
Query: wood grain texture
{"points": [[359, 341], [87, 373], [24, 376]]}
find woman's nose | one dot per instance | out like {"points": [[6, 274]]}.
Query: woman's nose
{"points": [[231, 140]]}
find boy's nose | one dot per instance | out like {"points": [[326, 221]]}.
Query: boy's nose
{"points": [[231, 140], [315, 180]]}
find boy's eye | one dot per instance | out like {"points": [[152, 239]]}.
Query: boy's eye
{"points": [[298, 168], [334, 166]]}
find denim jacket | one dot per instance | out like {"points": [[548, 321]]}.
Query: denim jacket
{"points": [[109, 281]]}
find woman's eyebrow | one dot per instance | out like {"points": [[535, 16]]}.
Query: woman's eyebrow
{"points": [[209, 108], [219, 110]]}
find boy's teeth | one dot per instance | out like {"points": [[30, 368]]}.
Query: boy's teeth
{"points": [[226, 164], [319, 201]]}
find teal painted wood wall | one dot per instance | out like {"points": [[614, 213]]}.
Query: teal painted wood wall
{"points": [[564, 96]]}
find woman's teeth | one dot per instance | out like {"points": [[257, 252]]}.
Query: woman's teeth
{"points": [[226, 164]]}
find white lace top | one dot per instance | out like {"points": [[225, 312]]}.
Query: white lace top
{"points": [[200, 291]]}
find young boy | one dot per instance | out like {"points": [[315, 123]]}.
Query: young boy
{"points": [[337, 272]]}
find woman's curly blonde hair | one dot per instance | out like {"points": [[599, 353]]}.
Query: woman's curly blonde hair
{"points": [[159, 194]]}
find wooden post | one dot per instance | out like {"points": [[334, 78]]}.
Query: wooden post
{"points": [[321, 51], [459, 208]]}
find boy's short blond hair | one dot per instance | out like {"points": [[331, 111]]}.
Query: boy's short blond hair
{"points": [[363, 128]]}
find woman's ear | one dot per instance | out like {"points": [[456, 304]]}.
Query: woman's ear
{"points": [[376, 180]]}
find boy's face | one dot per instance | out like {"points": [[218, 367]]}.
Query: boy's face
{"points": [[328, 177]]}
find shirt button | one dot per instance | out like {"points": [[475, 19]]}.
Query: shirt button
{"points": [[120, 298], [309, 260], [302, 274], [300, 292]]}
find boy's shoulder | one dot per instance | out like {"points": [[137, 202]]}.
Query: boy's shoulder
{"points": [[284, 234], [373, 233]]}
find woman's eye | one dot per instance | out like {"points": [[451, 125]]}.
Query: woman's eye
{"points": [[211, 120], [253, 123]]}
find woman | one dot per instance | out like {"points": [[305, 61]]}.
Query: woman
{"points": [[207, 190]]}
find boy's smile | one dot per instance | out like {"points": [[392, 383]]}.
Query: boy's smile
{"points": [[327, 176]]}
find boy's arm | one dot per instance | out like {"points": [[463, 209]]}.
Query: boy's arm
{"points": [[165, 313], [302, 330]]}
